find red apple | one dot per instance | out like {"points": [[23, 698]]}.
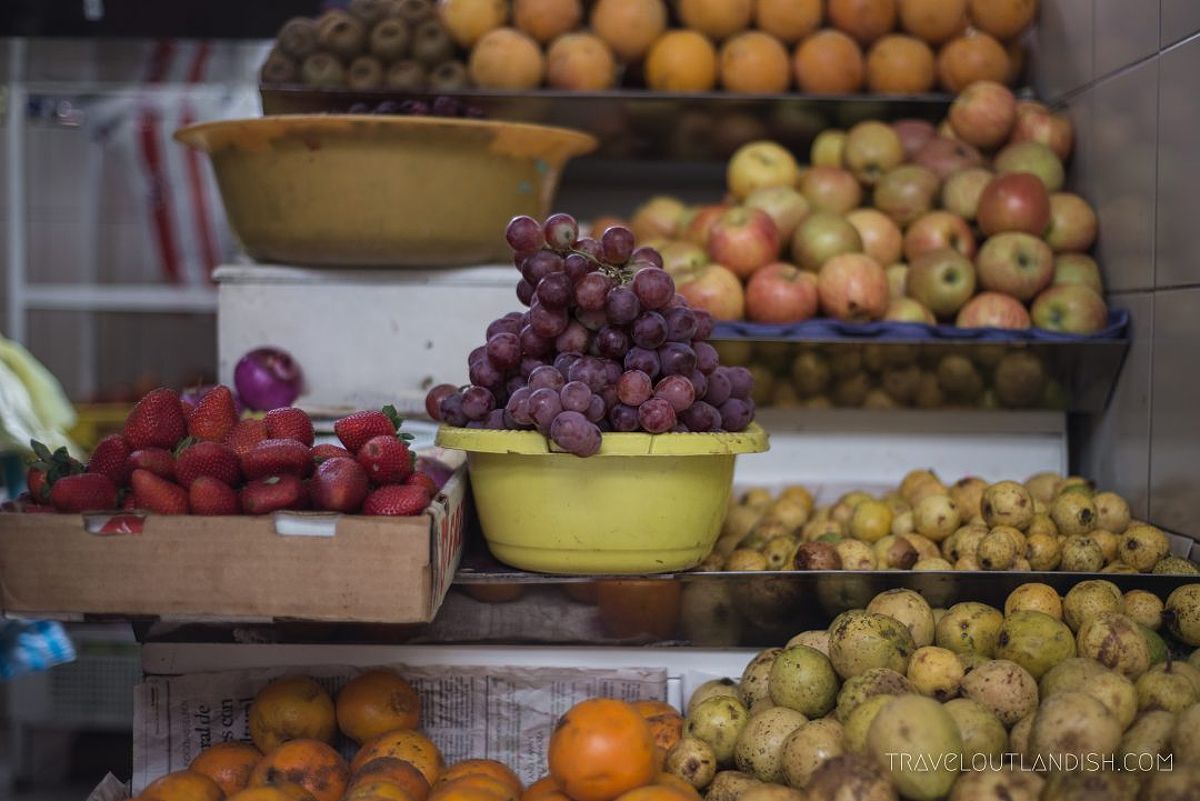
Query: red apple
{"points": [[781, 293], [713, 288], [786, 207], [1014, 202], [743, 240], [905, 193], [1078, 268], [1069, 309], [821, 237], [897, 277], [872, 148], [913, 135], [657, 217], [1072, 227], [830, 189], [935, 230], [680, 256], [1035, 158], [942, 280], [993, 310], [907, 310], [853, 286], [1016, 264], [1035, 123], [961, 192], [983, 114], [698, 224], [881, 237], [946, 156]]}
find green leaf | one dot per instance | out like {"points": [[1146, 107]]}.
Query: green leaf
{"points": [[393, 415], [41, 451], [183, 445]]}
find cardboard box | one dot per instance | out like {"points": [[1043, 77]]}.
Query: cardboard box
{"points": [[298, 566]]}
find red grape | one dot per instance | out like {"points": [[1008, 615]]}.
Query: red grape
{"points": [[495, 419], [656, 416], [504, 350], [575, 338], [736, 414], [524, 292], [518, 406], [612, 370], [561, 231], [484, 374], [623, 418], [612, 342], [677, 391], [596, 409], [452, 411], [590, 248], [575, 396], [524, 233], [513, 384], [476, 354], [718, 386], [634, 388], [654, 287], [544, 406], [701, 416], [677, 358], [681, 324], [590, 371], [649, 330], [622, 305], [678, 301], [591, 291], [609, 395], [741, 384], [704, 323], [533, 344], [617, 245], [529, 364], [575, 434], [591, 320], [546, 377], [707, 358], [510, 323], [564, 360], [577, 266], [546, 322], [541, 264], [477, 402], [647, 255], [433, 399], [645, 360], [699, 383], [555, 291]]}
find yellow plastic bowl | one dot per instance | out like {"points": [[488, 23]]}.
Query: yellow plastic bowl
{"points": [[382, 191], [643, 504]]}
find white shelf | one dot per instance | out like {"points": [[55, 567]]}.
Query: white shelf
{"points": [[120, 298]]}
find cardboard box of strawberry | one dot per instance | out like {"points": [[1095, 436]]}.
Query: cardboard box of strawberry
{"points": [[173, 458]]}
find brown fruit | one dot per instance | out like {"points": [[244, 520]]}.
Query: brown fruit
{"points": [[829, 62], [311, 764], [375, 703], [900, 65], [717, 19], [506, 59], [468, 20], [865, 20], [682, 61], [546, 19], [629, 27], [406, 745], [967, 59], [393, 771], [291, 708], [754, 62], [581, 62], [1004, 19], [228, 764], [183, 785], [788, 20], [933, 21]]}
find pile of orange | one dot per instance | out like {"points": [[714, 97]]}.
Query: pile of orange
{"points": [[745, 46], [602, 749]]}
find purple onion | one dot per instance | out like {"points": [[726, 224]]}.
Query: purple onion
{"points": [[267, 378]]}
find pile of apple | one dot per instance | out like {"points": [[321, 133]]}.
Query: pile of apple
{"points": [[964, 223]]}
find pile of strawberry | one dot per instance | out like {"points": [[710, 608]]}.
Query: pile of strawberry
{"points": [[174, 459]]}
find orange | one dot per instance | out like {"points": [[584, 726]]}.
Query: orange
{"points": [[311, 764], [677, 784], [505, 58], [468, 20], [600, 749], [900, 65], [377, 702], [544, 786], [865, 20], [682, 61], [483, 767], [393, 771], [283, 791], [755, 62], [183, 785], [933, 21], [376, 790], [291, 708], [1003, 19], [788, 20], [629, 27], [227, 764], [410, 746], [580, 61], [545, 19], [657, 792], [716, 19], [967, 59], [666, 724], [630, 609], [497, 788], [829, 62]]}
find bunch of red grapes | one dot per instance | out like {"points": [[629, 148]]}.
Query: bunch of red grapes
{"points": [[606, 345]]}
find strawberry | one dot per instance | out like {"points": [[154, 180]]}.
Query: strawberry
{"points": [[419, 479], [111, 458], [245, 435], [265, 495], [356, 429], [320, 453], [340, 485], [211, 496], [156, 421], [35, 480], [86, 492], [156, 494], [289, 423], [386, 459], [214, 416], [208, 459], [396, 500], [273, 457], [158, 461], [47, 468]]}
